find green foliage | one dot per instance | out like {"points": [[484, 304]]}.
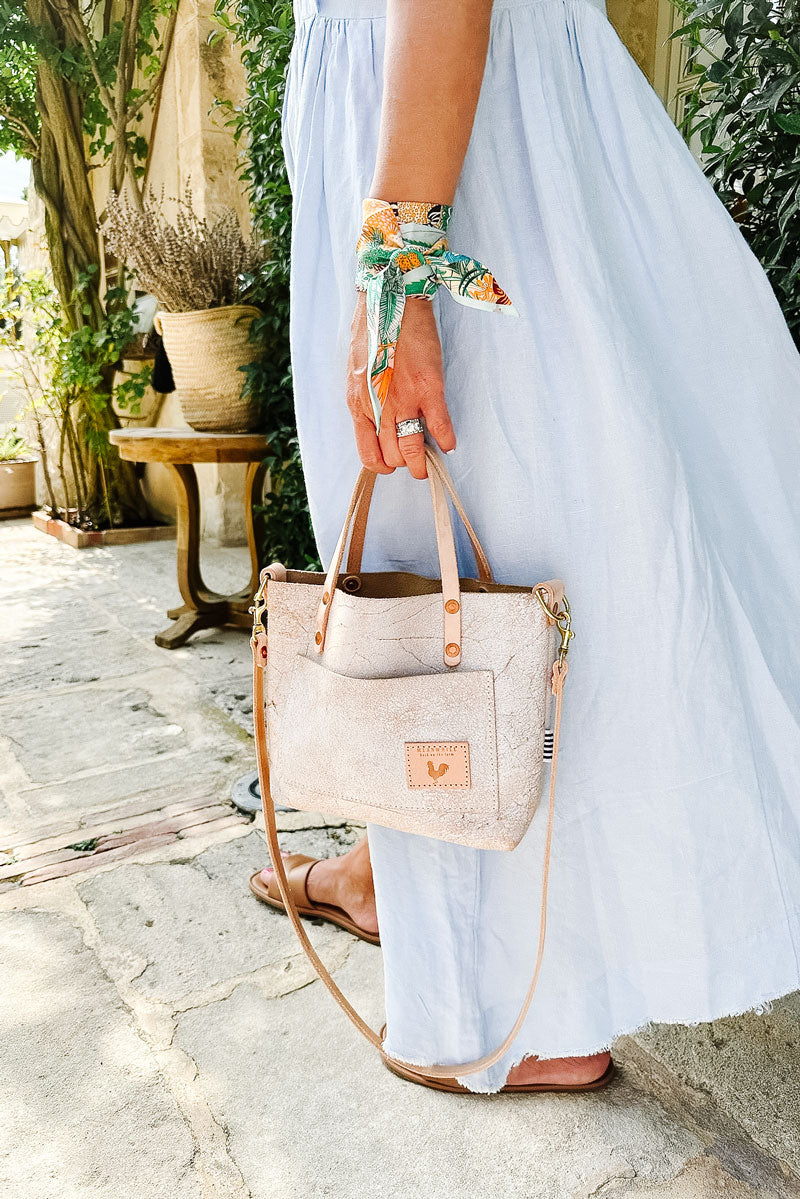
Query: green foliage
{"points": [[19, 116], [14, 448], [65, 373], [148, 56], [68, 103], [85, 846], [23, 45], [744, 106], [264, 30]]}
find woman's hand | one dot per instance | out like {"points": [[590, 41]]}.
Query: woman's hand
{"points": [[416, 389]]}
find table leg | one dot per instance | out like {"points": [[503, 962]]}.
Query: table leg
{"points": [[254, 524], [203, 608], [186, 623], [190, 581]]}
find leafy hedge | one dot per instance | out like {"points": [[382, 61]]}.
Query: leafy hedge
{"points": [[744, 106], [264, 30]]}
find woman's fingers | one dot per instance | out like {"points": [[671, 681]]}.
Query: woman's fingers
{"points": [[357, 394], [388, 439], [412, 447], [408, 450], [416, 389], [433, 410], [369, 450]]}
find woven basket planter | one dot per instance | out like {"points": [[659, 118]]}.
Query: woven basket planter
{"points": [[205, 350]]}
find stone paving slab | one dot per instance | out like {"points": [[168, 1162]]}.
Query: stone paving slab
{"points": [[312, 1112], [44, 652], [185, 928], [98, 729], [81, 739], [85, 1110]]}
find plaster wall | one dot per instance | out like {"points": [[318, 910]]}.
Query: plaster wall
{"points": [[190, 147], [636, 22]]}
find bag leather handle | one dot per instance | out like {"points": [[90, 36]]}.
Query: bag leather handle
{"points": [[356, 550], [448, 563], [260, 653]]}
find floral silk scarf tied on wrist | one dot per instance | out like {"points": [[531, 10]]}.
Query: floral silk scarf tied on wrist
{"points": [[403, 251]]}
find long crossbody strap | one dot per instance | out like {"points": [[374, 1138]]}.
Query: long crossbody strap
{"points": [[259, 645]]}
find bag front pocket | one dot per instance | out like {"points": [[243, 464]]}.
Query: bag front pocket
{"points": [[418, 753]]}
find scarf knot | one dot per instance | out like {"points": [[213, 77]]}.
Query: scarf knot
{"points": [[403, 251]]}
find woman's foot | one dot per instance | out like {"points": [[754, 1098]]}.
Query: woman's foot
{"points": [[570, 1071], [344, 882]]}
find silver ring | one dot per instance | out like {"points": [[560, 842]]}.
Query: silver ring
{"points": [[407, 428]]}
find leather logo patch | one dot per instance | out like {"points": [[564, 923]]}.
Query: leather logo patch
{"points": [[438, 764]]}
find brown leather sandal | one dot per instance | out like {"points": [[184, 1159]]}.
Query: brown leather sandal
{"points": [[297, 870], [521, 1088], [527, 1088]]}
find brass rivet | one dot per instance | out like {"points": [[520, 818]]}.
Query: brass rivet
{"points": [[452, 606], [318, 638], [326, 597], [451, 650]]}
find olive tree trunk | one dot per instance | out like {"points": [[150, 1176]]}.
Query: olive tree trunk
{"points": [[61, 179]]}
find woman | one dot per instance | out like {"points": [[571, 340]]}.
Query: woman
{"points": [[636, 431]]}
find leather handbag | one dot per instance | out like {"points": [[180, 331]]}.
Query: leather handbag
{"points": [[432, 706]]}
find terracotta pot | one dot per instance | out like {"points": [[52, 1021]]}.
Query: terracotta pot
{"points": [[17, 484], [205, 350]]}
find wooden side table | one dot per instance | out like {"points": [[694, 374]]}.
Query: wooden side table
{"points": [[179, 450]]}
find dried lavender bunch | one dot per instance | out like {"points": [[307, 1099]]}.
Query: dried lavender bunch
{"points": [[191, 264]]}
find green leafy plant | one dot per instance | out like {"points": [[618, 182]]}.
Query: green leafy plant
{"points": [[13, 447], [76, 79], [63, 372], [264, 32], [744, 107]]}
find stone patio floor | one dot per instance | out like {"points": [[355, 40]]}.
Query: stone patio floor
{"points": [[160, 1032]]}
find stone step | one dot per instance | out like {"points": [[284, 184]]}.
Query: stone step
{"points": [[103, 824], [171, 797], [94, 848]]}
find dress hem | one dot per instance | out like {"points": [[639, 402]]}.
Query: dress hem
{"points": [[760, 1007]]}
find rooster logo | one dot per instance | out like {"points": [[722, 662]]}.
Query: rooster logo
{"points": [[436, 772]]}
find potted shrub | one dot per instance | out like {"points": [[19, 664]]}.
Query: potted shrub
{"points": [[201, 272], [66, 376], [17, 475]]}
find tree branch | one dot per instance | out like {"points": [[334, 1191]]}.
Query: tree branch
{"points": [[69, 13], [166, 46], [126, 59], [21, 127]]}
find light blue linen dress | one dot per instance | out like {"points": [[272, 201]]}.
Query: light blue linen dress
{"points": [[637, 433]]}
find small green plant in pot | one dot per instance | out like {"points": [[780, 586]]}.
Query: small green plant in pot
{"points": [[65, 374], [201, 273], [17, 474]]}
